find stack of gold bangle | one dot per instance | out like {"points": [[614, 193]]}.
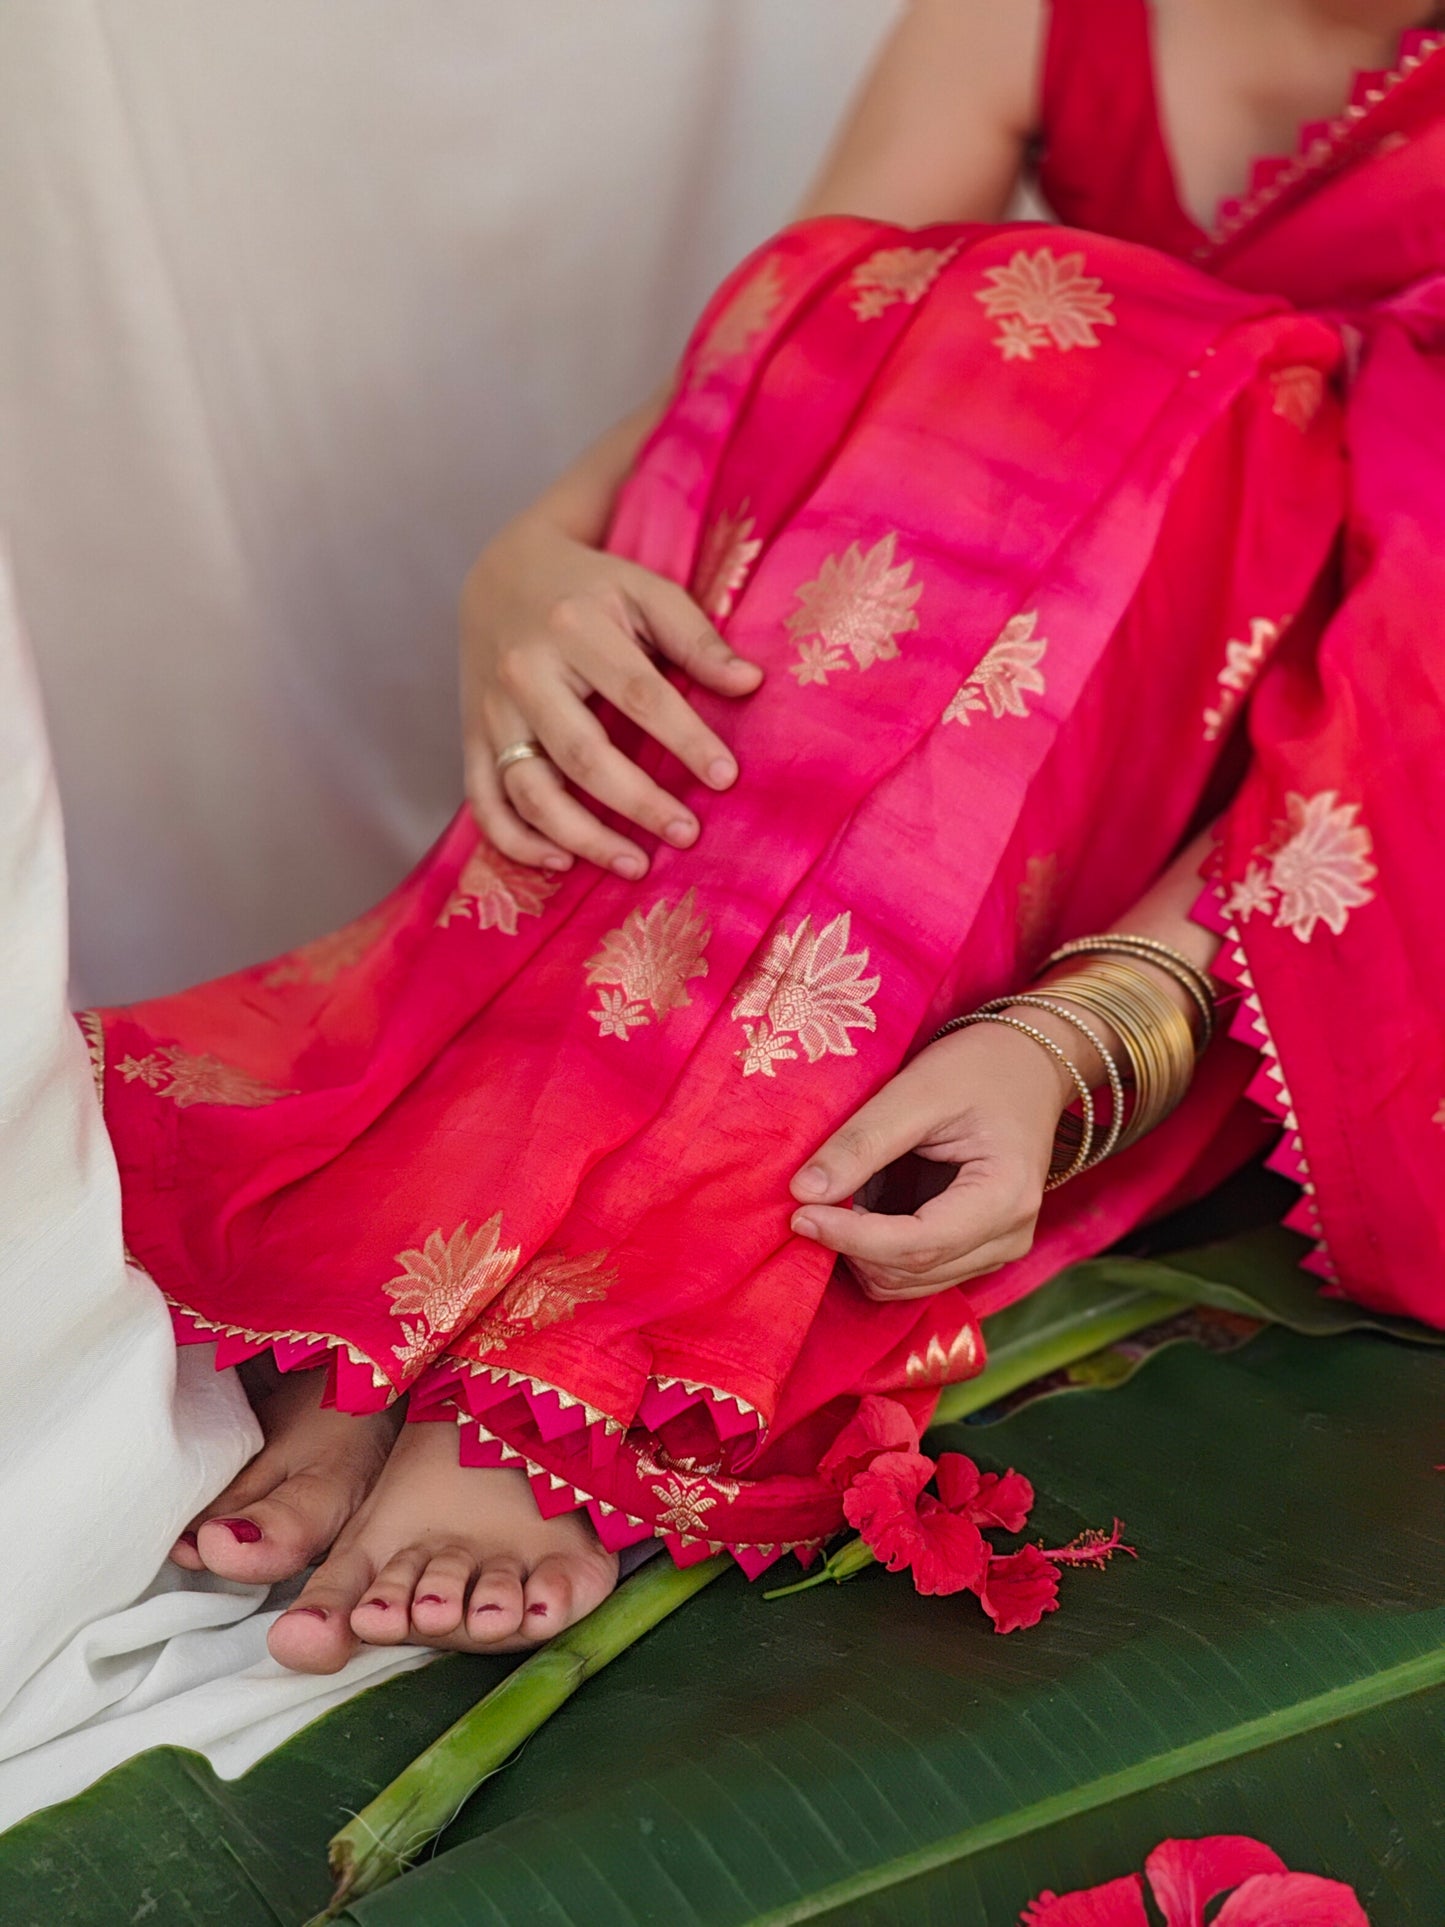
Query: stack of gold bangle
{"points": [[1160, 1045]]}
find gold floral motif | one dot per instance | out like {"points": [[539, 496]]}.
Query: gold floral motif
{"points": [[652, 957], [1242, 663], [729, 550], [896, 274], [940, 1364], [186, 1079], [446, 1284], [1298, 395], [808, 992], [323, 961], [859, 602], [744, 318], [495, 891], [1316, 869], [544, 1292], [1250, 893], [1038, 905], [94, 1033], [1042, 297], [684, 1500], [1007, 674]]}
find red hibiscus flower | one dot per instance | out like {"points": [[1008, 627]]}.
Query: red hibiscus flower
{"points": [[905, 1526], [1002, 1499], [1019, 1588], [879, 1425], [1185, 1875]]}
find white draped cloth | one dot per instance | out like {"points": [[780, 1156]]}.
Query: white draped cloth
{"points": [[297, 302]]}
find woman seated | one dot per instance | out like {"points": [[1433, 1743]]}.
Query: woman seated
{"points": [[1012, 636]]}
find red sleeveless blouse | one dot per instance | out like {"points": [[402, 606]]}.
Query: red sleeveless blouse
{"points": [[1105, 163]]}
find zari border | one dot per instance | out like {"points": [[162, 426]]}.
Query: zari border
{"points": [[94, 1033], [546, 1485], [1268, 1088], [524, 1382], [266, 1339], [1320, 143]]}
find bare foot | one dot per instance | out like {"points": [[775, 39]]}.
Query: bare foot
{"points": [[442, 1554], [287, 1506]]}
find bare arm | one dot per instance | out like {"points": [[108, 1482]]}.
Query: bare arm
{"points": [[937, 133]]}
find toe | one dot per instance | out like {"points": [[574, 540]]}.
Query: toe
{"points": [[495, 1609], [279, 1535], [185, 1552], [383, 1618], [561, 1590], [314, 1635], [439, 1600]]}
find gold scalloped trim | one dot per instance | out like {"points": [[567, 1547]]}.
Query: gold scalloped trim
{"points": [[255, 1337], [511, 1455], [524, 1380], [1301, 1175], [94, 1033], [1318, 154], [699, 1390]]}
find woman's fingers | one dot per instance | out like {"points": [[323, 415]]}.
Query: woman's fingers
{"points": [[680, 631], [617, 667], [895, 1120], [980, 1222], [487, 794]]}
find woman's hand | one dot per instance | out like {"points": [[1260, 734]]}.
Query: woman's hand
{"points": [[548, 622], [986, 1099]]}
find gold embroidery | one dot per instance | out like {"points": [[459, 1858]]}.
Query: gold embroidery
{"points": [[938, 1364], [90, 1024], [859, 602], [445, 1285], [1253, 891], [744, 318], [728, 551], [652, 957], [808, 991], [1298, 395], [544, 1292], [1042, 297], [1038, 905], [684, 1499], [896, 274], [323, 961], [1242, 663], [1007, 674], [186, 1080], [1316, 871], [496, 891]]}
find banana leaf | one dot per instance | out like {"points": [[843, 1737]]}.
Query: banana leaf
{"points": [[1291, 1574], [1274, 1663]]}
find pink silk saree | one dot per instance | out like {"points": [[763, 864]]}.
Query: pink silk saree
{"points": [[1042, 536]]}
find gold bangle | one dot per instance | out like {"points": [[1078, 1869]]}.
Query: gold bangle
{"points": [[1081, 1083], [1034, 1001], [1157, 1038], [1194, 981]]}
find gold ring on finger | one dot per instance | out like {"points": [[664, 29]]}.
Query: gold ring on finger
{"points": [[523, 752]]}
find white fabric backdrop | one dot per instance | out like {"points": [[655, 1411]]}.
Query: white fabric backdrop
{"points": [[297, 301]]}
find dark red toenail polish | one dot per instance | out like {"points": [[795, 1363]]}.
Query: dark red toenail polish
{"points": [[385, 1604], [315, 1611], [537, 1612], [241, 1529], [188, 1539], [430, 1599], [488, 1608]]}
